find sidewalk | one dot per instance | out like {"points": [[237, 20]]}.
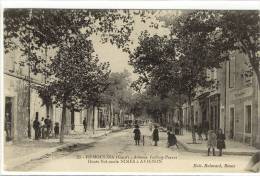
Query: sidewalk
{"points": [[18, 154], [232, 147]]}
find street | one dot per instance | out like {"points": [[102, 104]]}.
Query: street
{"points": [[117, 152]]}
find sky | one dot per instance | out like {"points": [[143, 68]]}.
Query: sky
{"points": [[117, 58]]}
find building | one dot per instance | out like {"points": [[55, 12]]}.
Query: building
{"points": [[205, 105], [240, 101], [22, 103], [233, 104]]}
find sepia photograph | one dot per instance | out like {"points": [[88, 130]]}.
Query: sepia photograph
{"points": [[130, 90]]}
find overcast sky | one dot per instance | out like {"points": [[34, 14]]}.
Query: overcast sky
{"points": [[118, 59]]}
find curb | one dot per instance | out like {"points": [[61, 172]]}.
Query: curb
{"points": [[25, 159], [34, 156], [189, 149], [100, 135]]}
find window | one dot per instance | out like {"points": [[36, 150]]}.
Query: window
{"points": [[248, 119], [231, 74]]}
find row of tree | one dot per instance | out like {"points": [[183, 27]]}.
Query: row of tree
{"points": [[175, 64], [75, 78]]}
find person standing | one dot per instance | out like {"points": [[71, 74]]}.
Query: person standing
{"points": [[56, 130], [212, 141], [7, 126], [137, 135], [85, 124], [47, 123], [155, 135], [42, 126], [220, 141], [36, 127]]}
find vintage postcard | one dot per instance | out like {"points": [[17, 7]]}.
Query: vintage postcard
{"points": [[130, 90]]}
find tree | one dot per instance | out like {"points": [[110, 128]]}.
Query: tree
{"points": [[76, 77], [230, 31], [150, 56], [177, 63], [240, 31], [57, 30], [118, 92], [52, 26]]}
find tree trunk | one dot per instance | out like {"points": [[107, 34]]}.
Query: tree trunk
{"points": [[63, 122], [93, 120], [192, 121], [110, 116], [48, 110]]}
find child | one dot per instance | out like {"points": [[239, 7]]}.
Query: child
{"points": [[221, 141], [56, 129], [212, 141], [137, 136]]}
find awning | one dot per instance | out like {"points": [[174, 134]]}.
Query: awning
{"points": [[203, 95]]}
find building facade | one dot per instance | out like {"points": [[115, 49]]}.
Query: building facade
{"points": [[233, 104], [240, 101], [22, 103]]}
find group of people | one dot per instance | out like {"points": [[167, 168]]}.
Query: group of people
{"points": [[202, 129], [216, 140], [172, 140], [137, 135], [43, 128], [178, 127]]}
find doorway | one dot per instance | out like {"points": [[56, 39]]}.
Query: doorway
{"points": [[232, 122], [8, 118]]}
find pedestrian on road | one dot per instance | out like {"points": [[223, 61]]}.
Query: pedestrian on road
{"points": [[85, 124], [36, 127], [221, 141], [172, 140], [212, 141], [155, 135], [137, 136]]}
